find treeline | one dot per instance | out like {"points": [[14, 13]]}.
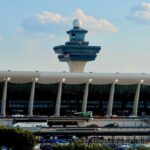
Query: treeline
{"points": [[92, 147], [17, 139], [80, 146]]}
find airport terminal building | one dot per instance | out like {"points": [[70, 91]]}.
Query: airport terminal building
{"points": [[64, 93]]}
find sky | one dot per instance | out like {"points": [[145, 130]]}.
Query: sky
{"points": [[30, 29]]}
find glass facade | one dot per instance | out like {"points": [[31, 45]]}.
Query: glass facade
{"points": [[98, 99], [124, 99], [18, 98], [1, 92], [144, 101], [45, 99], [72, 97]]}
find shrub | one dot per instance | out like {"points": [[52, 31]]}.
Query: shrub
{"points": [[143, 148], [17, 139], [95, 147], [78, 145]]}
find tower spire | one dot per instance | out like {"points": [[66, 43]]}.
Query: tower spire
{"points": [[77, 23]]}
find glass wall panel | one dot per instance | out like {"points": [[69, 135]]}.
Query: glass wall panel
{"points": [[123, 99], [1, 92], [45, 99], [72, 97], [144, 101], [18, 98], [98, 99]]}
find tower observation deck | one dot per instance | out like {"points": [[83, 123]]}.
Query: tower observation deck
{"points": [[76, 52]]}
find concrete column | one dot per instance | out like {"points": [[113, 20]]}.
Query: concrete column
{"points": [[58, 100], [31, 101], [111, 99], [76, 66], [4, 98], [136, 100], [85, 97]]}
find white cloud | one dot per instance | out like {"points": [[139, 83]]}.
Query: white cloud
{"points": [[49, 17], [1, 39], [49, 22], [93, 23], [141, 13]]}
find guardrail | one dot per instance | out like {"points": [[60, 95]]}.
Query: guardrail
{"points": [[95, 131]]}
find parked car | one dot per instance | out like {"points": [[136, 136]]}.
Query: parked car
{"points": [[45, 147], [92, 126], [3, 148], [114, 116], [111, 125], [132, 116], [17, 115]]}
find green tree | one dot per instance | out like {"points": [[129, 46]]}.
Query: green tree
{"points": [[78, 145], [17, 139]]}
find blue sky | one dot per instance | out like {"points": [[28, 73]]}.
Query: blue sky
{"points": [[30, 29]]}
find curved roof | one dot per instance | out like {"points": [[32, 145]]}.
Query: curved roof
{"points": [[74, 78]]}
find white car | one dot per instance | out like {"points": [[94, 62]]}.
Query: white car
{"points": [[132, 116], [3, 148], [17, 115], [125, 145]]}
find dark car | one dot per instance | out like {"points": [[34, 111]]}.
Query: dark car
{"points": [[45, 147], [119, 148], [111, 125], [92, 126]]}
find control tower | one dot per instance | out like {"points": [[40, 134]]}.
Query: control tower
{"points": [[77, 51]]}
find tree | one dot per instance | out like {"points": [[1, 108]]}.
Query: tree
{"points": [[17, 139]]}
